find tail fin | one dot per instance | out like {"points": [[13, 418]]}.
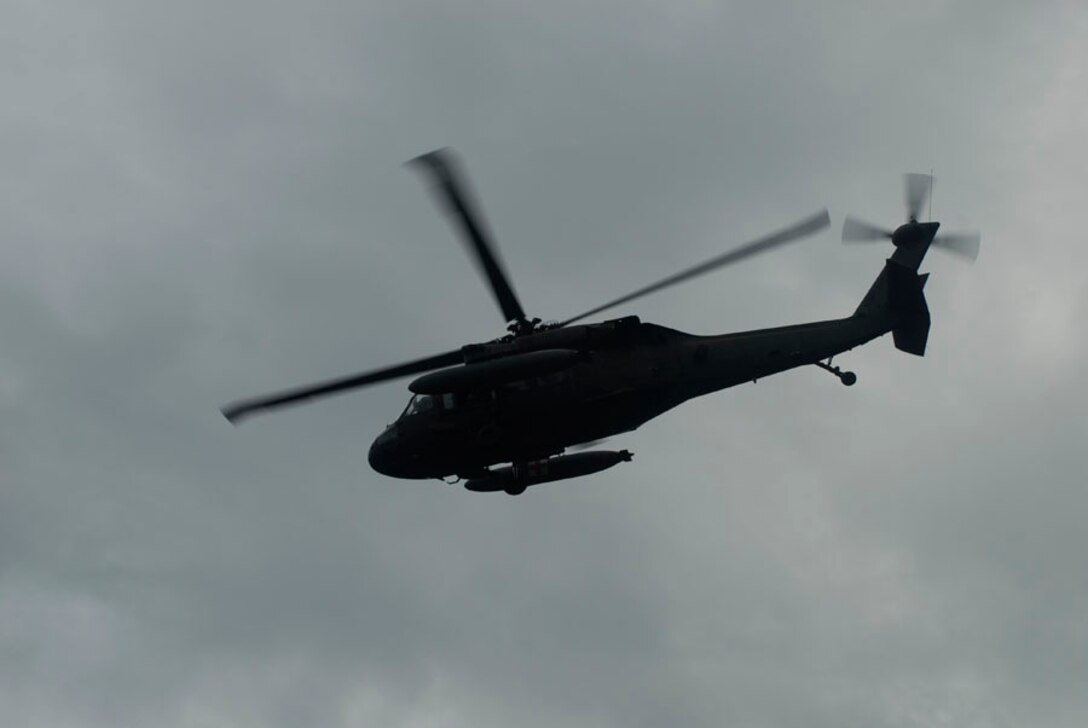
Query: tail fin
{"points": [[907, 298], [897, 296]]}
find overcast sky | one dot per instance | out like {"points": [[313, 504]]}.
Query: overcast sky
{"points": [[203, 201]]}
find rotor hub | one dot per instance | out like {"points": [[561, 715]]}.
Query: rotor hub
{"points": [[914, 233]]}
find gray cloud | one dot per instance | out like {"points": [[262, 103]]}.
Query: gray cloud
{"points": [[204, 201]]}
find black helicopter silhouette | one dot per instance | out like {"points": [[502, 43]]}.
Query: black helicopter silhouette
{"points": [[528, 396]]}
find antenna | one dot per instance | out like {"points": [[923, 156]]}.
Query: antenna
{"points": [[931, 194]]}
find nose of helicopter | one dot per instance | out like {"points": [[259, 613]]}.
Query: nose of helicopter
{"points": [[382, 456]]}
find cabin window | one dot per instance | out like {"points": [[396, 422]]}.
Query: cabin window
{"points": [[448, 401]]}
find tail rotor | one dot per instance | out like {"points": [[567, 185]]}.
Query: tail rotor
{"points": [[916, 191]]}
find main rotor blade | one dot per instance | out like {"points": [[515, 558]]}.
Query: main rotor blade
{"points": [[806, 227], [962, 244], [237, 410], [916, 189], [857, 231], [453, 192]]}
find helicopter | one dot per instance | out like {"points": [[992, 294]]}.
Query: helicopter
{"points": [[535, 396]]}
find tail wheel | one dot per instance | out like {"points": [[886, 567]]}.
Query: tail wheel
{"points": [[847, 378]]}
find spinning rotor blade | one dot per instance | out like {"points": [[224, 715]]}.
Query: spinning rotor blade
{"points": [[453, 192], [806, 227], [237, 410], [916, 188], [856, 231], [962, 244]]}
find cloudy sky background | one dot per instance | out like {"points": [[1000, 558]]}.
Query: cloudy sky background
{"points": [[203, 201]]}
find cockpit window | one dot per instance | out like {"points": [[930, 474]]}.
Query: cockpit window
{"points": [[419, 403]]}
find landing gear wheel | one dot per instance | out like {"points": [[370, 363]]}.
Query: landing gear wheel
{"points": [[847, 378], [515, 490]]}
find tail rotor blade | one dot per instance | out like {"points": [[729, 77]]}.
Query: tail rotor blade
{"points": [[858, 231], [965, 245], [917, 188]]}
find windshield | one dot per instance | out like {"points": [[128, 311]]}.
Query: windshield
{"points": [[419, 403]]}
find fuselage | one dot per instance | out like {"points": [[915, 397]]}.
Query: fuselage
{"points": [[630, 373]]}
